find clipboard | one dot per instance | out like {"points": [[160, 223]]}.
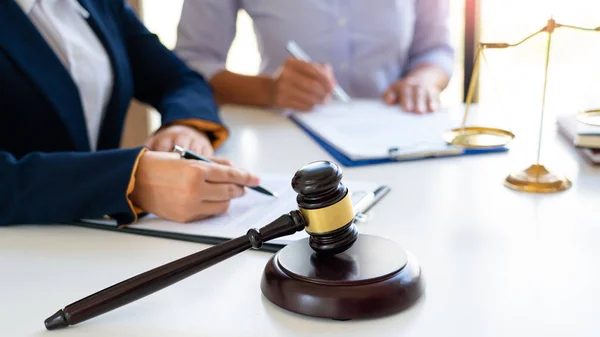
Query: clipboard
{"points": [[224, 227], [344, 160]]}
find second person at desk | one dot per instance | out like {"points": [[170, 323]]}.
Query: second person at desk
{"points": [[396, 50]]}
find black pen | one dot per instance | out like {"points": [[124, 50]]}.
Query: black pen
{"points": [[190, 155]]}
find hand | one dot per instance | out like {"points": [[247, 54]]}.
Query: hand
{"points": [[301, 85], [187, 190], [185, 136], [413, 95]]}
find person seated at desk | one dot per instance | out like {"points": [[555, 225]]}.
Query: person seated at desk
{"points": [[397, 50], [68, 71]]}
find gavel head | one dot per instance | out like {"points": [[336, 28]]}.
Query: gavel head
{"points": [[326, 206]]}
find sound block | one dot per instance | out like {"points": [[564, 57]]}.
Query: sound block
{"points": [[374, 277]]}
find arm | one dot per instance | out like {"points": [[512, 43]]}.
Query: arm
{"points": [[57, 188], [243, 89], [430, 60], [431, 55], [204, 36], [206, 31], [165, 82]]}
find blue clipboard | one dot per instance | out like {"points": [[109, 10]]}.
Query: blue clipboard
{"points": [[345, 161]]}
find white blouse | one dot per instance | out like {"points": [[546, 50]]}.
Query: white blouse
{"points": [[63, 25]]}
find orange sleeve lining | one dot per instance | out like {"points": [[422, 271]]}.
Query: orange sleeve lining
{"points": [[219, 131], [134, 209]]}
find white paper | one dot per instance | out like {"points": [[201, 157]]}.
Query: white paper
{"points": [[368, 129], [254, 210]]}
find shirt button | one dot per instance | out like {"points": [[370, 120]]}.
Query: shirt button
{"points": [[344, 66], [342, 22]]}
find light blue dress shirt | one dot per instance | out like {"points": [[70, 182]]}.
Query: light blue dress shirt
{"points": [[369, 43]]}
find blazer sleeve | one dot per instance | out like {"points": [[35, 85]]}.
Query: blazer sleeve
{"points": [[67, 186], [163, 80]]}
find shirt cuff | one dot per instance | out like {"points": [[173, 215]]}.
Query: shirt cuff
{"points": [[442, 58], [135, 210], [217, 133]]}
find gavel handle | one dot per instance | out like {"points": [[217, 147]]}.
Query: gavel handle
{"points": [[161, 277]]}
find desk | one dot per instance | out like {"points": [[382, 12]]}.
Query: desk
{"points": [[496, 262]]}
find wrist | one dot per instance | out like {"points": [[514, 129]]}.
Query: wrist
{"points": [[267, 85], [428, 75], [144, 172]]}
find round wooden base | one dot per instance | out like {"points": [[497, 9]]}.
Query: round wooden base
{"points": [[375, 277]]}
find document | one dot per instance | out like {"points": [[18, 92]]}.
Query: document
{"points": [[369, 129], [253, 210]]}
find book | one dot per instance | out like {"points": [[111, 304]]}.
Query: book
{"points": [[582, 135], [571, 129]]}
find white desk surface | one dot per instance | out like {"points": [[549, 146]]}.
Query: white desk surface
{"points": [[496, 262]]}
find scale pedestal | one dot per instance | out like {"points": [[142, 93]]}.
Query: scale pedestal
{"points": [[537, 179], [375, 277]]}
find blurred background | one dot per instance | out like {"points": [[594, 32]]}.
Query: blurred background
{"points": [[510, 75]]}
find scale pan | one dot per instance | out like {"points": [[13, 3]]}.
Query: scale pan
{"points": [[590, 117], [478, 137]]}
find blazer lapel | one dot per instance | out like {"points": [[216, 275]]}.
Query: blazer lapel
{"points": [[29, 50]]}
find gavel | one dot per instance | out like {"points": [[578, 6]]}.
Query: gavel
{"points": [[324, 210]]}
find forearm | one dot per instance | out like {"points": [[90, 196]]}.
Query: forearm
{"points": [[63, 187], [430, 74], [234, 88]]}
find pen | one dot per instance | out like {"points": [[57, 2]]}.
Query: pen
{"points": [[190, 155], [363, 206], [297, 52]]}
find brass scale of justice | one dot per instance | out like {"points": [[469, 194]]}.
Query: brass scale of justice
{"points": [[335, 273], [536, 178]]}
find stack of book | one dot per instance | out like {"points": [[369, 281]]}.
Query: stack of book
{"points": [[585, 138]]}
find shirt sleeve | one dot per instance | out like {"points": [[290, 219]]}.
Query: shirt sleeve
{"points": [[431, 41], [205, 33]]}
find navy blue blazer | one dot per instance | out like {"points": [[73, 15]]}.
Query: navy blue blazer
{"points": [[47, 172]]}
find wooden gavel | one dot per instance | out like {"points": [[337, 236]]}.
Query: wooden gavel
{"points": [[325, 212]]}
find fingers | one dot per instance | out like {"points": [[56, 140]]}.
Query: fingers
{"points": [[406, 98], [433, 101], [301, 85], [304, 90], [420, 99], [228, 174], [221, 161], [221, 192], [414, 98], [327, 70], [390, 97], [312, 71], [164, 143], [200, 147]]}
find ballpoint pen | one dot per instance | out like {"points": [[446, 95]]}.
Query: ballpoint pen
{"points": [[294, 49], [190, 155], [365, 204]]}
